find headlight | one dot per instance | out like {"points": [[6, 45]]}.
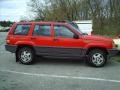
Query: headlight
{"points": [[114, 45]]}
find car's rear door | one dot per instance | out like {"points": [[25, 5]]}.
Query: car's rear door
{"points": [[42, 38]]}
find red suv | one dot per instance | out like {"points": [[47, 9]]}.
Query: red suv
{"points": [[56, 39]]}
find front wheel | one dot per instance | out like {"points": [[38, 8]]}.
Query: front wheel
{"points": [[97, 58], [25, 55]]}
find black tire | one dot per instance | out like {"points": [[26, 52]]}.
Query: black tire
{"points": [[25, 55], [97, 58]]}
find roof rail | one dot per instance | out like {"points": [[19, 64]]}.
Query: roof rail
{"points": [[64, 21]]}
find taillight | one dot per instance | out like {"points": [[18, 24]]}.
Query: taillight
{"points": [[8, 40]]}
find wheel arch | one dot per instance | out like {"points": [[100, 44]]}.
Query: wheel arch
{"points": [[24, 45], [100, 48]]}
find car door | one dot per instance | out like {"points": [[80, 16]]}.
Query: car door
{"points": [[66, 42], [42, 39]]}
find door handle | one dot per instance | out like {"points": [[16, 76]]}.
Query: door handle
{"points": [[33, 38], [55, 39]]}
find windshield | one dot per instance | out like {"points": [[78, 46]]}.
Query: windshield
{"points": [[75, 27]]}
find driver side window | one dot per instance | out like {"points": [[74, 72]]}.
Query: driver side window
{"points": [[62, 31]]}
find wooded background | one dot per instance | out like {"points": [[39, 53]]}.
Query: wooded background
{"points": [[104, 13]]}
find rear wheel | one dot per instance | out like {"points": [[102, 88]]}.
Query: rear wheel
{"points": [[97, 58], [25, 55]]}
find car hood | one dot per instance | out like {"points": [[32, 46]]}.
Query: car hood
{"points": [[96, 38]]}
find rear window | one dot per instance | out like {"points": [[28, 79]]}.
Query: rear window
{"points": [[22, 29]]}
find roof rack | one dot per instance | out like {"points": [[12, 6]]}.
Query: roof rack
{"points": [[64, 21]]}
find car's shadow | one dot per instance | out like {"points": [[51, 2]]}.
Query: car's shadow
{"points": [[63, 61], [68, 61]]}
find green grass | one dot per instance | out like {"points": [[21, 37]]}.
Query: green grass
{"points": [[116, 58]]}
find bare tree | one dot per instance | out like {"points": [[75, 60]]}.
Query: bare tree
{"points": [[104, 13]]}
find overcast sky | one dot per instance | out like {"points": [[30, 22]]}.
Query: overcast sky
{"points": [[13, 9]]}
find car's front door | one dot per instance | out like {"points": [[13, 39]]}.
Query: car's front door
{"points": [[66, 43]]}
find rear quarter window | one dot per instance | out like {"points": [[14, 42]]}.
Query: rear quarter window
{"points": [[22, 29]]}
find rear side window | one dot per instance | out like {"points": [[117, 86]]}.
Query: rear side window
{"points": [[42, 30], [22, 29]]}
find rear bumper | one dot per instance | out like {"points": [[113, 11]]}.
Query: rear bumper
{"points": [[11, 48], [113, 52]]}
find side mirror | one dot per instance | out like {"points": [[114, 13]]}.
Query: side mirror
{"points": [[76, 36]]}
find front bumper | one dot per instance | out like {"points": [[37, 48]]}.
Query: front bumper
{"points": [[113, 52], [11, 48]]}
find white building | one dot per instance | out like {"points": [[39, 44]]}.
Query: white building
{"points": [[85, 26]]}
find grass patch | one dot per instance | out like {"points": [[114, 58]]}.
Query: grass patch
{"points": [[116, 58]]}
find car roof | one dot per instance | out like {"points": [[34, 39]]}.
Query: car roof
{"points": [[41, 23]]}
